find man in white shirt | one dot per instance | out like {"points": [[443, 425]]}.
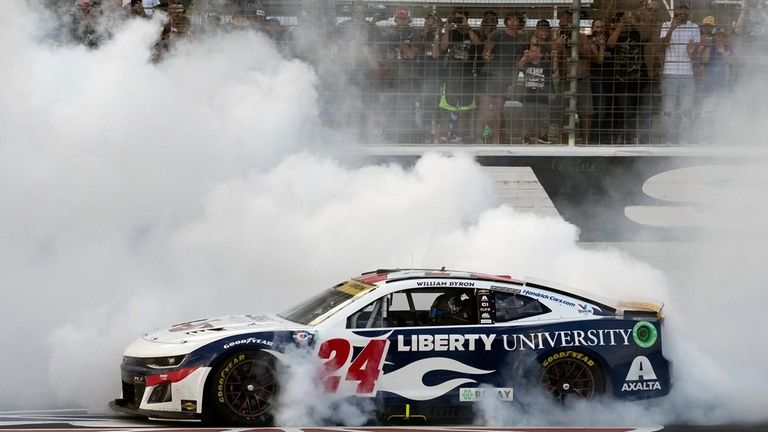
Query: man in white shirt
{"points": [[679, 39]]}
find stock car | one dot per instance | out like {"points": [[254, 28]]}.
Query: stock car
{"points": [[418, 344]]}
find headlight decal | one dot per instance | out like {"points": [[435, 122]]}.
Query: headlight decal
{"points": [[172, 377]]}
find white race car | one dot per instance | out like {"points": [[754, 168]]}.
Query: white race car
{"points": [[414, 341]]}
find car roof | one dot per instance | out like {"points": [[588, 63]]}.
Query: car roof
{"points": [[383, 276], [391, 275]]}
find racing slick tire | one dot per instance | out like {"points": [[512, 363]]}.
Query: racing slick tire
{"points": [[242, 390], [572, 375]]}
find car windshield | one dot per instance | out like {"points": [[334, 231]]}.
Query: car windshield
{"points": [[317, 309]]}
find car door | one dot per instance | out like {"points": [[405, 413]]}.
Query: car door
{"points": [[415, 344]]}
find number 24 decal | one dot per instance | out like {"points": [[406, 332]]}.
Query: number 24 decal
{"points": [[365, 368]]}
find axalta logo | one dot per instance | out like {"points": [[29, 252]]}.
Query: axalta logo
{"points": [[641, 376]]}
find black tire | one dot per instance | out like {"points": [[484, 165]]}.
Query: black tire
{"points": [[243, 390], [572, 374]]}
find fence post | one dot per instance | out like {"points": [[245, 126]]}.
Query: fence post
{"points": [[573, 71]]}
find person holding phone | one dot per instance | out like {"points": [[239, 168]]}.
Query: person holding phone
{"points": [[680, 39], [457, 51]]}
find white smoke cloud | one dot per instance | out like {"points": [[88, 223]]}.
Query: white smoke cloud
{"points": [[303, 401], [137, 195]]}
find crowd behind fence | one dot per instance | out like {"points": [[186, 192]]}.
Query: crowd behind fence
{"points": [[469, 74]]}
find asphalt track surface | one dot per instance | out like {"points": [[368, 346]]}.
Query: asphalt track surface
{"points": [[80, 420]]}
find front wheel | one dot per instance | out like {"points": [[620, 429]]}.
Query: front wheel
{"points": [[244, 389], [570, 374]]}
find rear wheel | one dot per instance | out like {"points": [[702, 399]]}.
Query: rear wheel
{"points": [[570, 374], [244, 389]]}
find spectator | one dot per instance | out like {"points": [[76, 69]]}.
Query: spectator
{"points": [[601, 81], [248, 16], [628, 65], [273, 29], [88, 26], [537, 87], [501, 52], [136, 9], [402, 51], [459, 47], [706, 30], [488, 25], [542, 37], [149, 6], [649, 19], [680, 38], [430, 76], [588, 51], [716, 58], [178, 21]]}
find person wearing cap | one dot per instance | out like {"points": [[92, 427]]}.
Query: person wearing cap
{"points": [[680, 38], [716, 72], [401, 52], [542, 36]]}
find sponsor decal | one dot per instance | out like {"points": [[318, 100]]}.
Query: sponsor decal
{"points": [[548, 297], [514, 342], [354, 288], [566, 338], [584, 308], [641, 376], [303, 337], [568, 354], [469, 394], [250, 340], [445, 342], [486, 321], [645, 334], [188, 405], [223, 375], [448, 283], [506, 289]]}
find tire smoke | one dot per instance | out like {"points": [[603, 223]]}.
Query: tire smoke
{"points": [[138, 195]]}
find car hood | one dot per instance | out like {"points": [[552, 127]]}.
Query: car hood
{"points": [[218, 328], [185, 337]]}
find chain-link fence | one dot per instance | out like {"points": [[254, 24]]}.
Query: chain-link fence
{"points": [[589, 72]]}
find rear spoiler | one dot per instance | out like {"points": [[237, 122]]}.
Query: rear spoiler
{"points": [[640, 309]]}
